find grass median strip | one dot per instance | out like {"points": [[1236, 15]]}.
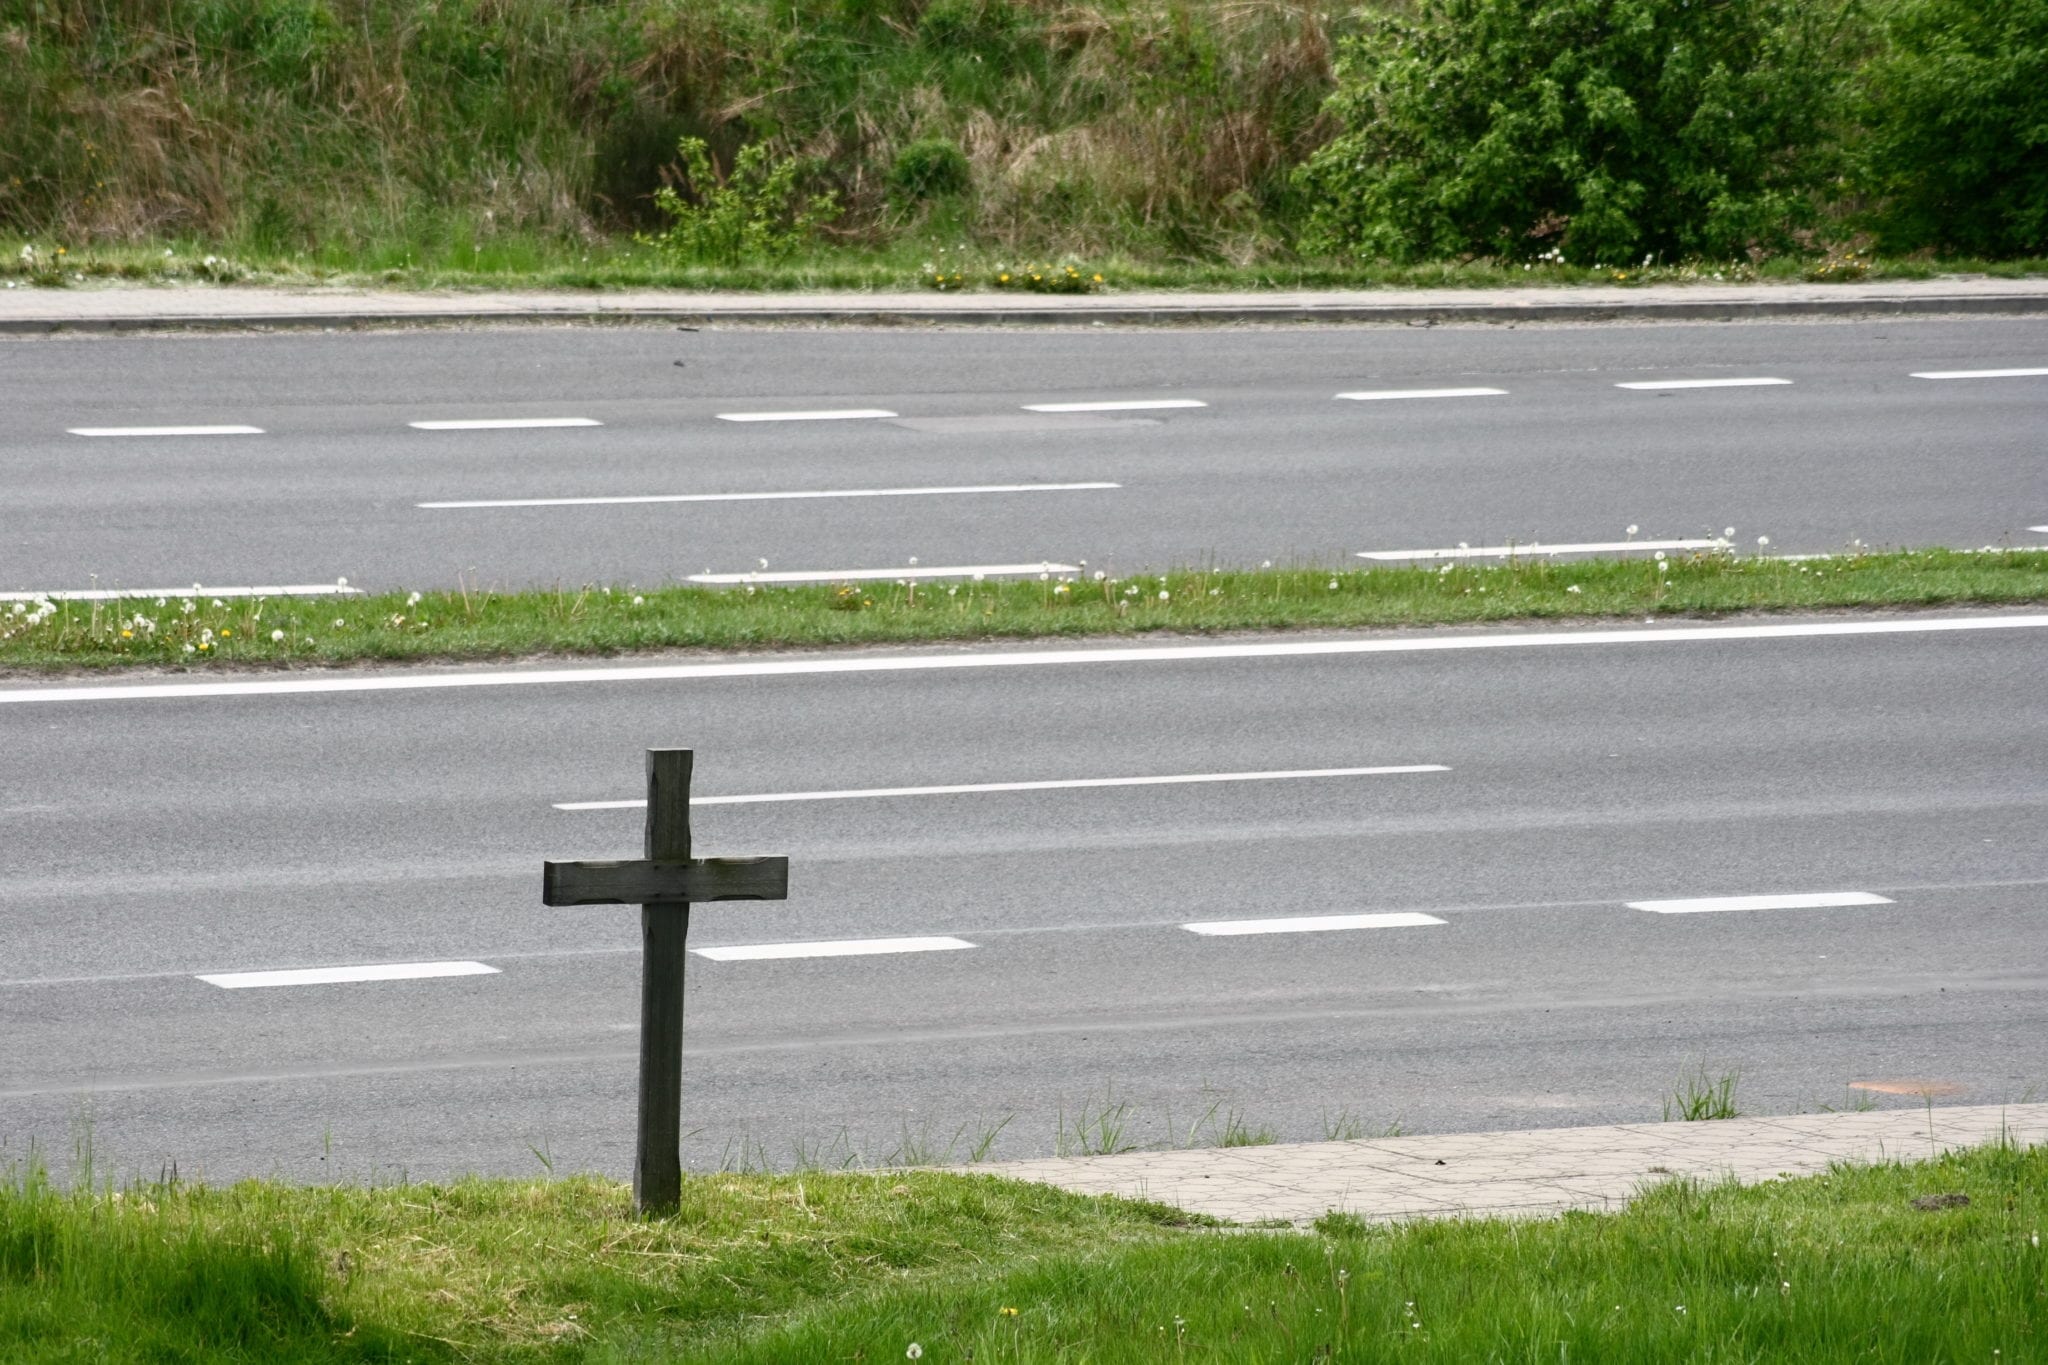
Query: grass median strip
{"points": [[208, 634], [1938, 1260]]}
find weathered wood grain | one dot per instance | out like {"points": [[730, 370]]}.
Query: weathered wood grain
{"points": [[666, 882]]}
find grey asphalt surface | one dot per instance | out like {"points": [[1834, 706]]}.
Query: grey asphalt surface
{"points": [[1274, 468], [150, 840]]}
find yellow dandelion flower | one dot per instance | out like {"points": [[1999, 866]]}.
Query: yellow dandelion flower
{"points": [[1008, 1312], [225, 633], [127, 634]]}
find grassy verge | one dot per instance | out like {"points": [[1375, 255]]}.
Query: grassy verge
{"points": [[946, 1267], [513, 261], [201, 632]]}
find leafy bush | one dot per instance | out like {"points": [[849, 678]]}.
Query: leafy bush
{"points": [[1957, 111], [756, 213], [930, 168], [1604, 128]]}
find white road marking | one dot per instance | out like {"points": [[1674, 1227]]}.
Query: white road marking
{"points": [[1700, 383], [1978, 374], [1310, 924], [865, 575], [1126, 405], [327, 976], [784, 497], [821, 415], [506, 423], [1537, 548], [2042, 529], [1071, 784], [166, 431], [1375, 395], [126, 594], [1814, 900], [845, 947], [886, 662]]}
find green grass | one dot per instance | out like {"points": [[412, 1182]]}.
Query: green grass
{"points": [[615, 262], [201, 633], [1834, 1268]]}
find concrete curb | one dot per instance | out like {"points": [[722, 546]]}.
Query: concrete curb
{"points": [[1106, 313]]}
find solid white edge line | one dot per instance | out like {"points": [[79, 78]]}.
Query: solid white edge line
{"points": [[504, 423], [846, 947], [1812, 900], [1021, 658], [1702, 383], [779, 497], [876, 575], [137, 594], [1068, 784], [1309, 924], [2042, 529], [1978, 374], [1376, 395], [166, 431], [1537, 548], [328, 976], [820, 415], [1114, 405]]}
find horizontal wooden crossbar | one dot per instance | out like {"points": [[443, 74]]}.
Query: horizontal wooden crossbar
{"points": [[646, 882]]}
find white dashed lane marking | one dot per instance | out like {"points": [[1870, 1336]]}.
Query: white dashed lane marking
{"points": [[1811, 900], [166, 431], [800, 496], [1382, 395], [136, 594], [1583, 548], [819, 415], [1128, 405], [506, 423], [888, 575], [328, 976], [1068, 784], [1647, 384], [845, 947], [1310, 924], [1979, 374]]}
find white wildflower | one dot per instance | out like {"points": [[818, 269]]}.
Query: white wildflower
{"points": [[276, 636]]}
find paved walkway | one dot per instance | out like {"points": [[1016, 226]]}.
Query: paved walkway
{"points": [[1545, 1171], [115, 307]]}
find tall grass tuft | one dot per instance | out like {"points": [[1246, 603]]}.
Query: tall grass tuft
{"points": [[109, 1266]]}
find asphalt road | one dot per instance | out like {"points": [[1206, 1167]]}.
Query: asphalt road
{"points": [[150, 839], [1274, 467]]}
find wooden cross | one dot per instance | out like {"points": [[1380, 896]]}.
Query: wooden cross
{"points": [[663, 884]]}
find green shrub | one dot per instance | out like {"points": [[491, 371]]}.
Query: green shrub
{"points": [[753, 214], [931, 168], [1606, 129], [1957, 111]]}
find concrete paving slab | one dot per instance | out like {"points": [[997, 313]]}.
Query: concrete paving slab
{"points": [[1520, 1174]]}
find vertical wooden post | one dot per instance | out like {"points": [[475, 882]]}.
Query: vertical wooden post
{"points": [[657, 1159]]}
